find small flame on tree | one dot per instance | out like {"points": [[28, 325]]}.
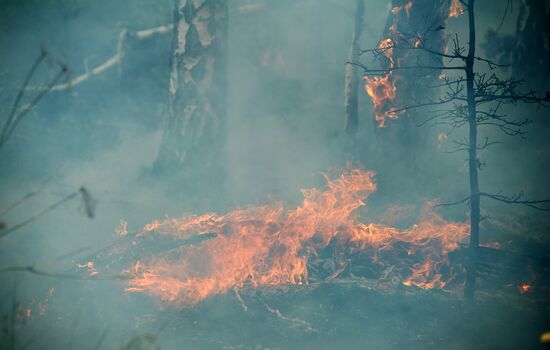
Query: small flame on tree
{"points": [[382, 89], [456, 8]]}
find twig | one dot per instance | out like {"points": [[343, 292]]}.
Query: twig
{"points": [[33, 270], [14, 119], [240, 300], [295, 321], [452, 203], [21, 92], [515, 199], [37, 215]]}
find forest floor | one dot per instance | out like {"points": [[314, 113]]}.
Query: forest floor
{"points": [[348, 313]]}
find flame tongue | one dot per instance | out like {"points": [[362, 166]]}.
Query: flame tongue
{"points": [[382, 89], [455, 9], [270, 245]]}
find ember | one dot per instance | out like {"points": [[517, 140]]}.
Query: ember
{"points": [[525, 288], [270, 245]]}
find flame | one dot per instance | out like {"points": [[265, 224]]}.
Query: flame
{"points": [[382, 89], [90, 267], [397, 9], [525, 288], [270, 245], [456, 8]]}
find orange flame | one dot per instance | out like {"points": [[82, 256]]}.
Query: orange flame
{"points": [[90, 267], [270, 245], [382, 89], [525, 288], [456, 8]]}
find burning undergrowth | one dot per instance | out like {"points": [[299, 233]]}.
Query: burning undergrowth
{"points": [[271, 245]]}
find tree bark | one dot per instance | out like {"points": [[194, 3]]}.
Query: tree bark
{"points": [[195, 128], [351, 85], [352, 80], [399, 145], [472, 155]]}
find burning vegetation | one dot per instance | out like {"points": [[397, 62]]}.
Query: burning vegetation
{"points": [[393, 50], [271, 245], [382, 89]]}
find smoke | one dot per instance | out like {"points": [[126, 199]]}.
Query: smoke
{"points": [[285, 126]]}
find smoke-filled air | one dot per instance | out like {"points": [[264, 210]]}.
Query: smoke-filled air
{"points": [[274, 174]]}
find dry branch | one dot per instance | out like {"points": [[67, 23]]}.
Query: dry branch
{"points": [[295, 322], [117, 58], [88, 201]]}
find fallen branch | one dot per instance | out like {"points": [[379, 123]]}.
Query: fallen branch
{"points": [[33, 270], [296, 322], [240, 300]]}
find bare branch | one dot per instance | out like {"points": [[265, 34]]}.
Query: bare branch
{"points": [[516, 199], [39, 214], [16, 114], [452, 203], [33, 270], [117, 58], [30, 106], [392, 69], [14, 107]]}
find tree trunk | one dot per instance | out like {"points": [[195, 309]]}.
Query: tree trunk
{"points": [[195, 129], [351, 86], [472, 155], [401, 142], [351, 82]]}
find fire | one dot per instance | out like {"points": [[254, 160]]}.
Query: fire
{"points": [[382, 89], [525, 288], [90, 267], [395, 10], [456, 8], [270, 245]]}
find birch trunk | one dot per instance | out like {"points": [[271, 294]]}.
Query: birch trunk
{"points": [[195, 128]]}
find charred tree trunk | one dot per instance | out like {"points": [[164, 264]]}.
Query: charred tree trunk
{"points": [[472, 154], [400, 142], [195, 129], [525, 50], [352, 81]]}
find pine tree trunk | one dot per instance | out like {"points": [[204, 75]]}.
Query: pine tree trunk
{"points": [[194, 133], [401, 142], [351, 86], [472, 156]]}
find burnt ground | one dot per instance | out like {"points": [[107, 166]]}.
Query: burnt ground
{"points": [[347, 313], [352, 316]]}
